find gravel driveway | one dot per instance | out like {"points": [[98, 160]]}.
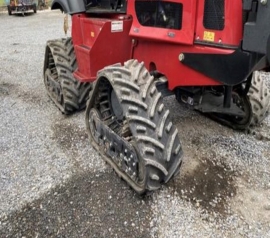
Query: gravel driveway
{"points": [[53, 184]]}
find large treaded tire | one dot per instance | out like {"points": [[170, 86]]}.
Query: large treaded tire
{"points": [[35, 8], [9, 10], [155, 138], [259, 97], [73, 93]]}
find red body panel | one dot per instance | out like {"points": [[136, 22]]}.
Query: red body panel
{"points": [[165, 57], [183, 36], [232, 33], [97, 45]]}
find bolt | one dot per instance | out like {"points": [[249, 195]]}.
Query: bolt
{"points": [[263, 2], [181, 57]]}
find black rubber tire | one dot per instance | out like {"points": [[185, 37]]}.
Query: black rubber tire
{"points": [[259, 97], [9, 10], [35, 8], [74, 93], [155, 138]]}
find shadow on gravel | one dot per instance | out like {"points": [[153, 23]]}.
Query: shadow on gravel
{"points": [[22, 15], [208, 186], [6, 88], [89, 205]]}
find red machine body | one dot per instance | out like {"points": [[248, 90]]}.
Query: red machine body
{"points": [[97, 46], [206, 53], [113, 38]]}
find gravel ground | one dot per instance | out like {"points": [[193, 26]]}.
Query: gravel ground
{"points": [[53, 184]]}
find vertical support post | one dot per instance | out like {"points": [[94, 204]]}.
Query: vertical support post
{"points": [[227, 97]]}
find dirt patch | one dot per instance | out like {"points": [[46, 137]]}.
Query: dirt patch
{"points": [[68, 135], [6, 88], [208, 185], [89, 205], [31, 97], [252, 205], [71, 139]]}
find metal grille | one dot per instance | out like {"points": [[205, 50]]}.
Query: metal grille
{"points": [[213, 18], [159, 14]]}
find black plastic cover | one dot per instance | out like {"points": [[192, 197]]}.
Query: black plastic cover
{"points": [[213, 17], [69, 6], [256, 29], [229, 69], [247, 5], [268, 50]]}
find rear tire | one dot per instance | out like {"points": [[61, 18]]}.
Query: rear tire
{"points": [[259, 97], [60, 63]]}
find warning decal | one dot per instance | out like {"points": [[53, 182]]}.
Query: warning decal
{"points": [[209, 36], [117, 26]]}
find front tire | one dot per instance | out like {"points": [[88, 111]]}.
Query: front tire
{"points": [[129, 94], [259, 97]]}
